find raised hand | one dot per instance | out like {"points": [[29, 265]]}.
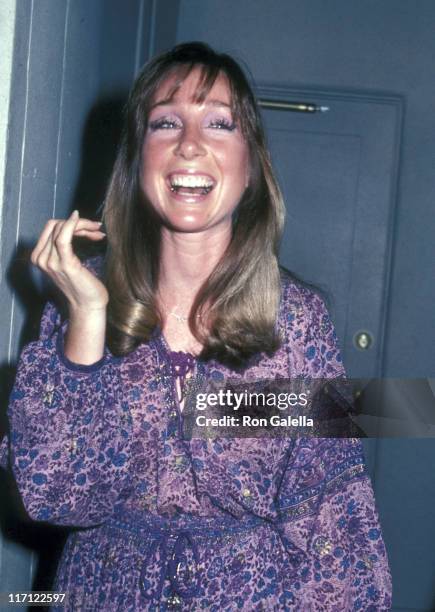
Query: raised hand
{"points": [[54, 255], [86, 295]]}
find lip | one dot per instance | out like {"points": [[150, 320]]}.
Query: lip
{"points": [[191, 198]]}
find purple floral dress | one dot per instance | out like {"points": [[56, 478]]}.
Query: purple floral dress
{"points": [[165, 523]]}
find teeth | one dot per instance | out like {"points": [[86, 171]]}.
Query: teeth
{"points": [[185, 180]]}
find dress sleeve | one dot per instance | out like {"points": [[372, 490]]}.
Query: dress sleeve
{"points": [[320, 342], [326, 501], [68, 445]]}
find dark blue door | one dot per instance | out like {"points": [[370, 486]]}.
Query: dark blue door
{"points": [[338, 172]]}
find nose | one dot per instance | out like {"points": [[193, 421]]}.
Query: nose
{"points": [[190, 144]]}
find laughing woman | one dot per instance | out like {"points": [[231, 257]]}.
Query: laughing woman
{"points": [[189, 288]]}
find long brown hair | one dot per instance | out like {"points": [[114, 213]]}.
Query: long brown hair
{"points": [[243, 291]]}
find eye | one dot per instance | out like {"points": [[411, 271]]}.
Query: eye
{"points": [[164, 123], [222, 123]]}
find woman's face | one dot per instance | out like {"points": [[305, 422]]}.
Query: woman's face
{"points": [[195, 161]]}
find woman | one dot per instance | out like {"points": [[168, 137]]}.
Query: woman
{"points": [[189, 289]]}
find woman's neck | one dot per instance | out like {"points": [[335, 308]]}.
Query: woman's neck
{"points": [[186, 261]]}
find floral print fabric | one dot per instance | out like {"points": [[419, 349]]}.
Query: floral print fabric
{"points": [[162, 523]]}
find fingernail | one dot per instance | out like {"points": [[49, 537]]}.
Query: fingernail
{"points": [[75, 214]]}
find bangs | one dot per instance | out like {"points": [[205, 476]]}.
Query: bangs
{"points": [[208, 75]]}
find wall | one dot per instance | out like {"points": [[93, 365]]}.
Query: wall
{"points": [[7, 24]]}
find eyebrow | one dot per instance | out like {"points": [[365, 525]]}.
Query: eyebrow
{"points": [[208, 103]]}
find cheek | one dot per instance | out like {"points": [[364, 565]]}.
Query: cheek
{"points": [[151, 161], [148, 152], [240, 156], [235, 161], [238, 166]]}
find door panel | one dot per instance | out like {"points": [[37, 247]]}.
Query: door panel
{"points": [[338, 173]]}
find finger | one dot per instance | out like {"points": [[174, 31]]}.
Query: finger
{"points": [[82, 227], [42, 240], [83, 232], [54, 255], [62, 239], [46, 254], [57, 230], [91, 235], [82, 224], [87, 223]]}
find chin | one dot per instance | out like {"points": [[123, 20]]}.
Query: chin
{"points": [[185, 224]]}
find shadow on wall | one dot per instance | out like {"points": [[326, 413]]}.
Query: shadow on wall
{"points": [[100, 142], [32, 289]]}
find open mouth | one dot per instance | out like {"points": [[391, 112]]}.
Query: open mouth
{"points": [[188, 184]]}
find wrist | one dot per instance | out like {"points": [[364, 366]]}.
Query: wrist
{"points": [[85, 336], [83, 312]]}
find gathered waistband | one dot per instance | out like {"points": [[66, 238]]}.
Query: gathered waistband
{"points": [[171, 538], [140, 524]]}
